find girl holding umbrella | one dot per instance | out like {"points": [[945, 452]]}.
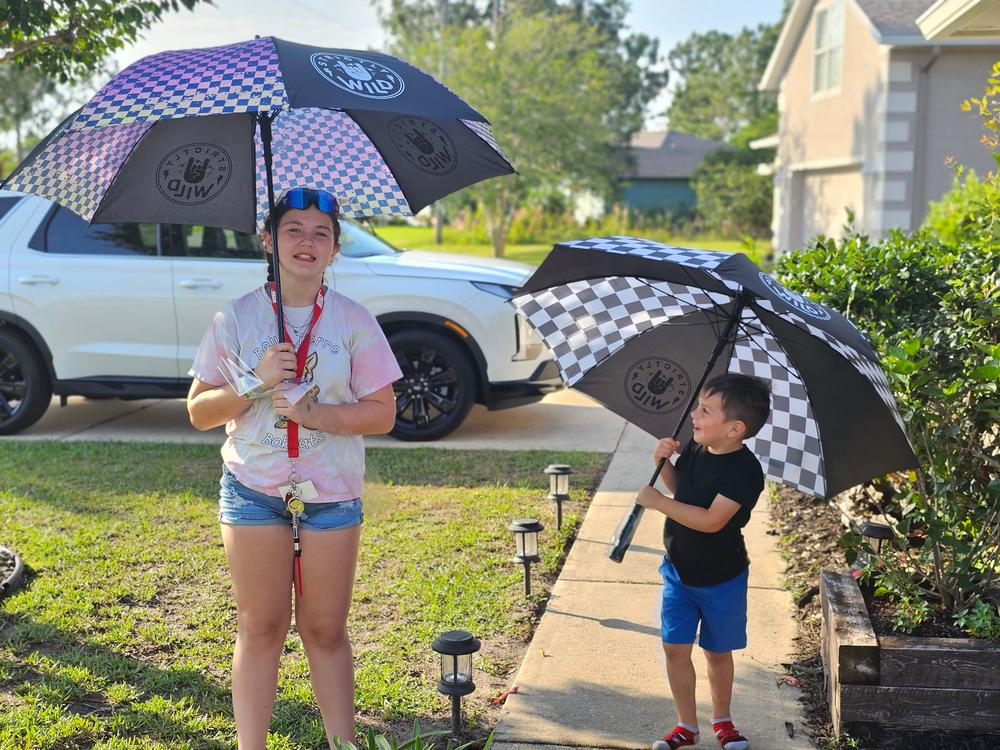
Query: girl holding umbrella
{"points": [[290, 506]]}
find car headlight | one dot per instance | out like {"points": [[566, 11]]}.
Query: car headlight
{"points": [[497, 290], [529, 345]]}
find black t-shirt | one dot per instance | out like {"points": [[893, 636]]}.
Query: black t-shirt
{"points": [[701, 558]]}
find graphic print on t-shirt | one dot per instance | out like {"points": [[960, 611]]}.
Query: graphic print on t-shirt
{"points": [[308, 376]]}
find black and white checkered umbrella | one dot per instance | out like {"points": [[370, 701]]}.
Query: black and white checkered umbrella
{"points": [[640, 326]]}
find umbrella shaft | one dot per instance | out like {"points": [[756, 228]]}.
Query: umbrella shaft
{"points": [[264, 120], [720, 344]]}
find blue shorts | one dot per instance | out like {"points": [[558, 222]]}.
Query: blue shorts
{"points": [[721, 609], [241, 506]]}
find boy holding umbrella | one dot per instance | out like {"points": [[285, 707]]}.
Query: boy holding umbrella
{"points": [[715, 483]]}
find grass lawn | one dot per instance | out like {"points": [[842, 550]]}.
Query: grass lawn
{"points": [[405, 236], [124, 634]]}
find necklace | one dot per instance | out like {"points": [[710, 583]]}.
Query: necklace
{"points": [[298, 320]]}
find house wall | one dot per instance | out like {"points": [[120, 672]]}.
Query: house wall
{"points": [[956, 75], [827, 139], [662, 194]]}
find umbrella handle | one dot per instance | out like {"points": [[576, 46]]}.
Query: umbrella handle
{"points": [[626, 529]]}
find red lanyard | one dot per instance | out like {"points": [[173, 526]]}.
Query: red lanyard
{"points": [[300, 361]]}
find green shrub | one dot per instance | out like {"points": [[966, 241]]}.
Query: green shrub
{"points": [[931, 303], [538, 223], [933, 310], [963, 211], [732, 199]]}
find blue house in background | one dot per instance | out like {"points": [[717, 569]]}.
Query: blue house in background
{"points": [[662, 164]]}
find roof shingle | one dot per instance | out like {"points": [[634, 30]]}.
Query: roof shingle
{"points": [[895, 17], [668, 153]]}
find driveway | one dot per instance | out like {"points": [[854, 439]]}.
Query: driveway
{"points": [[566, 420]]}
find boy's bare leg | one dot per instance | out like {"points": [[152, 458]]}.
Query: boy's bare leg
{"points": [[680, 674], [720, 680]]}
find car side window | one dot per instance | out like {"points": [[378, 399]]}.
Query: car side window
{"points": [[210, 242], [6, 204], [68, 234]]}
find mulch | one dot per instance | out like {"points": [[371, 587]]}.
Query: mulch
{"points": [[808, 530]]}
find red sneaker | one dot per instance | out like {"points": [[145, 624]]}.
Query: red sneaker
{"points": [[677, 737], [729, 738]]}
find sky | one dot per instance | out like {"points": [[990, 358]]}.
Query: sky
{"points": [[354, 24]]}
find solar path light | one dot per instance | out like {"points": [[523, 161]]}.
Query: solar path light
{"points": [[525, 532], [879, 532], [456, 648], [558, 487]]}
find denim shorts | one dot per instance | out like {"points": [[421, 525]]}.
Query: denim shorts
{"points": [[241, 506], [719, 610]]}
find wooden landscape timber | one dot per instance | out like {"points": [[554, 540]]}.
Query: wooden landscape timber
{"points": [[901, 681]]}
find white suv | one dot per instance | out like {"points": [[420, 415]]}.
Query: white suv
{"points": [[117, 310]]}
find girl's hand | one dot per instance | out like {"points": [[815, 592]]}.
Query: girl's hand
{"points": [[303, 412], [665, 448], [277, 365]]}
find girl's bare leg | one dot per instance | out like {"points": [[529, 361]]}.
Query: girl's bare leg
{"points": [[329, 560], [260, 563]]}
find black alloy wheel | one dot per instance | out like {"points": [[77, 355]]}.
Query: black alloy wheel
{"points": [[25, 390], [437, 388]]}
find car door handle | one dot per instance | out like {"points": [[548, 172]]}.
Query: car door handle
{"points": [[199, 283], [38, 278]]}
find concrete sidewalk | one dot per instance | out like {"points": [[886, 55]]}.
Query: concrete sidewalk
{"points": [[594, 675]]}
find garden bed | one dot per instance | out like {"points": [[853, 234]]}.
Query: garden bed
{"points": [[808, 530], [891, 682]]}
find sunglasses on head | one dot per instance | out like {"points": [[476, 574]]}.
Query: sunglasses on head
{"points": [[302, 198]]}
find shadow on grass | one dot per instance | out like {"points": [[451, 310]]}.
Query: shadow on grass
{"points": [[162, 697], [166, 703]]}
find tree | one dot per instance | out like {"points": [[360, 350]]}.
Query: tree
{"points": [[732, 198], [31, 103], [543, 85], [7, 162], [563, 103], [69, 39], [23, 103], [630, 59], [717, 96]]}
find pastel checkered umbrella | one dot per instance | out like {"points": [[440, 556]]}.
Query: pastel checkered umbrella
{"points": [[210, 136], [640, 326]]}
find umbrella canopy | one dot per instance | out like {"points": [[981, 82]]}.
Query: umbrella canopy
{"points": [[185, 137], [639, 326]]}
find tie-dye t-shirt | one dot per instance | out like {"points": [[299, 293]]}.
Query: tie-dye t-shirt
{"points": [[349, 358]]}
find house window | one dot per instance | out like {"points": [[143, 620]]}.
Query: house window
{"points": [[828, 57]]}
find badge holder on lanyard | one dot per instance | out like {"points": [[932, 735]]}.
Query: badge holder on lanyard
{"points": [[291, 497]]}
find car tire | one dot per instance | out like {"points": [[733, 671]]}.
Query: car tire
{"points": [[438, 386], [25, 389]]}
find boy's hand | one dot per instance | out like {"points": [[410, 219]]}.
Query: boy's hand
{"points": [[650, 497], [665, 448], [277, 365]]}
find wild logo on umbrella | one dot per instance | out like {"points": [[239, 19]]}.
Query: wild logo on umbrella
{"points": [[194, 174], [425, 144], [794, 299], [358, 75], [657, 385]]}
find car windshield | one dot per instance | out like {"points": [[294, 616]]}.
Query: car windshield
{"points": [[358, 242]]}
